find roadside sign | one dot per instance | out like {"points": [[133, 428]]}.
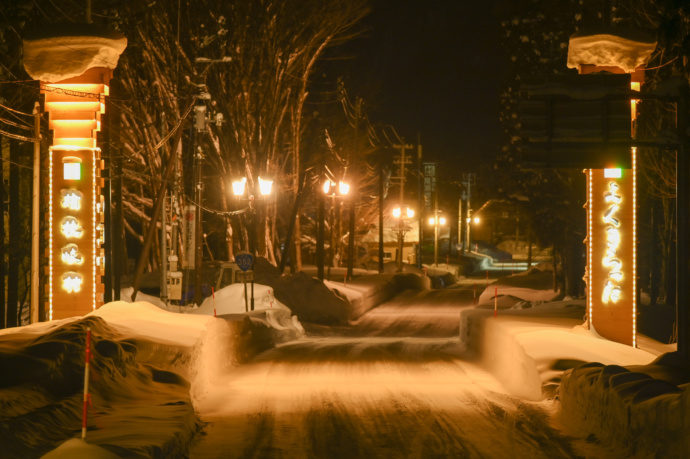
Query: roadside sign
{"points": [[245, 276], [244, 260], [576, 121]]}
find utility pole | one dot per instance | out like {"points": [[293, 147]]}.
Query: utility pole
{"points": [[36, 203], [683, 227], [198, 249], [420, 193], [320, 235], [381, 218], [200, 126], [402, 162], [436, 222], [353, 201], [164, 230], [459, 221], [468, 179]]}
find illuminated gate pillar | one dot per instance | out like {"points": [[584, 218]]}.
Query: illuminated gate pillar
{"points": [[611, 275], [75, 68]]}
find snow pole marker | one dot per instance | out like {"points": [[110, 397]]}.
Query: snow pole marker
{"points": [[213, 295], [495, 301], [87, 397], [345, 279]]}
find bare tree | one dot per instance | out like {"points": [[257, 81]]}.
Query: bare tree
{"points": [[270, 49]]}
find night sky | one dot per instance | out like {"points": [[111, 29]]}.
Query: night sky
{"points": [[433, 68]]}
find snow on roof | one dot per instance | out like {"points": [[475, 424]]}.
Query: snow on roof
{"points": [[610, 46], [64, 51]]}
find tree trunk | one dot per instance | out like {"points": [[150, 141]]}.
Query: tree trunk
{"points": [[14, 240], [3, 288]]}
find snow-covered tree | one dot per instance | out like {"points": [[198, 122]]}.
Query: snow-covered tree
{"points": [[270, 51]]}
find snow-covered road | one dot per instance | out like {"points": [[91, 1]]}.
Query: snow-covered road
{"points": [[356, 396], [374, 397]]}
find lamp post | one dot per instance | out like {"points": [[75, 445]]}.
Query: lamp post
{"points": [[436, 221], [239, 188], [401, 213], [475, 220], [333, 190]]}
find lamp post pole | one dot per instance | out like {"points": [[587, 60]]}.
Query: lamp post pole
{"points": [[459, 224], [198, 252], [401, 243], [35, 225], [320, 236], [435, 239]]}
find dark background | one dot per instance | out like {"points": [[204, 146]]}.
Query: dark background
{"points": [[431, 68]]}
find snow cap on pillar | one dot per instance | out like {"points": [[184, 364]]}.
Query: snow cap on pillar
{"points": [[626, 49], [61, 51]]}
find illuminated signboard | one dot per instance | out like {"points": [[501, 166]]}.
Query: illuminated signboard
{"points": [[611, 273], [75, 202]]}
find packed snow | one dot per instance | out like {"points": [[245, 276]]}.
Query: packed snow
{"points": [[60, 52], [158, 368], [610, 47]]}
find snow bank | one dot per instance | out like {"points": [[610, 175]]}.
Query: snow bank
{"points": [[140, 407], [528, 349], [308, 298], [364, 293], [150, 368], [535, 284], [144, 320], [59, 52], [620, 406], [79, 448], [522, 293]]}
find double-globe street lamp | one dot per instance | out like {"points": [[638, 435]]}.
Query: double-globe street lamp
{"points": [[402, 213], [333, 190], [239, 189], [436, 221]]}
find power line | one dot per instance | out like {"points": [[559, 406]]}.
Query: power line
{"points": [[17, 136]]}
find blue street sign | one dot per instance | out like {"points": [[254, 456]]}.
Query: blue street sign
{"points": [[244, 260]]}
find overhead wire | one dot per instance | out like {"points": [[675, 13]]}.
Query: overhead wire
{"points": [[17, 125], [224, 213], [17, 136]]}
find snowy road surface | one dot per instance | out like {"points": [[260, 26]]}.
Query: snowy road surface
{"points": [[374, 396]]}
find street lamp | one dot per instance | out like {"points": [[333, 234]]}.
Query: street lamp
{"points": [[333, 190], [239, 187], [402, 213], [475, 220], [436, 221]]}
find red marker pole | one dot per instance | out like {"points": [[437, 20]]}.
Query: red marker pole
{"points": [[213, 294], [86, 383], [495, 301]]}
